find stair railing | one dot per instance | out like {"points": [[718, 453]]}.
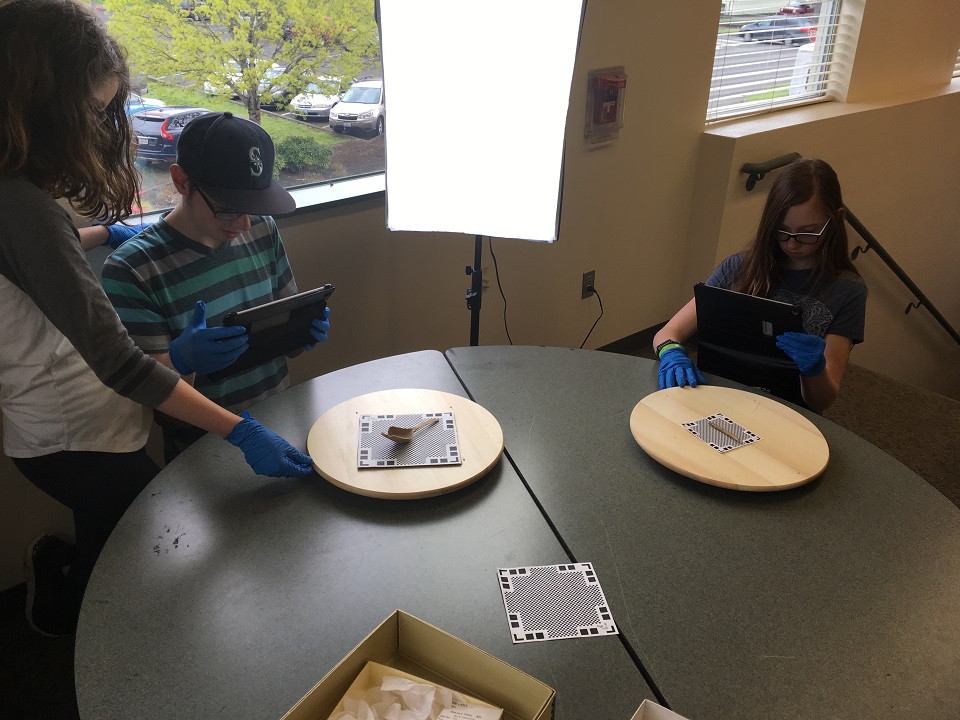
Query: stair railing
{"points": [[872, 244]]}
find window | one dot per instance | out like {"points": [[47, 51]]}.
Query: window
{"points": [[771, 55], [192, 55]]}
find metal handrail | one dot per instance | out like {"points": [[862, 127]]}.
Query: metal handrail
{"points": [[756, 171], [872, 244]]}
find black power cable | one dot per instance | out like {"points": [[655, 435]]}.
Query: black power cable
{"points": [[594, 291], [496, 271]]}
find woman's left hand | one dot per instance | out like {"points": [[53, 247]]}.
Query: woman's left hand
{"points": [[805, 350]]}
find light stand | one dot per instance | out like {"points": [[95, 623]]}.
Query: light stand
{"points": [[475, 293], [461, 187]]}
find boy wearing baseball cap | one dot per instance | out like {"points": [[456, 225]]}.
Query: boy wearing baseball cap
{"points": [[217, 251]]}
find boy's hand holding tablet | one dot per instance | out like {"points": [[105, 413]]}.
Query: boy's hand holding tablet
{"points": [[203, 350]]}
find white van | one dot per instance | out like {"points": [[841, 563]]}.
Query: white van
{"points": [[807, 71], [362, 107]]}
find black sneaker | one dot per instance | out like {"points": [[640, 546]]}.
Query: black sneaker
{"points": [[50, 609]]}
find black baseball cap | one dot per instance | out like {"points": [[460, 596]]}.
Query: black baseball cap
{"points": [[231, 160]]}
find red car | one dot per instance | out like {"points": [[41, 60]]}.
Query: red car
{"points": [[797, 8]]}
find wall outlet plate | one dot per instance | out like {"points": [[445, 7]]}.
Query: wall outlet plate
{"points": [[586, 287]]}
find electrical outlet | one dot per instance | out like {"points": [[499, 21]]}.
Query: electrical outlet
{"points": [[586, 287]]}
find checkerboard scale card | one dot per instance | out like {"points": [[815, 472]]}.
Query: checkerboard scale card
{"points": [[721, 433], [554, 602], [436, 444]]}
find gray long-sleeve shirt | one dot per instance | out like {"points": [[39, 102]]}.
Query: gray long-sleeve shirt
{"points": [[40, 253]]}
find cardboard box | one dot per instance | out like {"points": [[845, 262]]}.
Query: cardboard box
{"points": [[649, 710], [410, 645]]}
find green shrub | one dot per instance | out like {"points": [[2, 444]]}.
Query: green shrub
{"points": [[297, 153]]}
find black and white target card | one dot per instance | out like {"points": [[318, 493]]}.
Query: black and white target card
{"points": [[435, 444], [554, 602], [721, 433]]}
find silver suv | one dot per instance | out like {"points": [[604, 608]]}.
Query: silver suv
{"points": [[361, 107]]}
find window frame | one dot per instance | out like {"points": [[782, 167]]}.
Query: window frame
{"points": [[821, 82]]}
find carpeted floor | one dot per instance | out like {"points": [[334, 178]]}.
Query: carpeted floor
{"points": [[919, 428], [36, 672]]}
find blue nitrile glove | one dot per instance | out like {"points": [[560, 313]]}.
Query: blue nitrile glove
{"points": [[118, 234], [203, 350], [319, 329], [266, 452], [676, 370], [805, 350]]}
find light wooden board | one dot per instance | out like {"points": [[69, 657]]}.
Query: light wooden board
{"points": [[332, 443], [792, 450]]}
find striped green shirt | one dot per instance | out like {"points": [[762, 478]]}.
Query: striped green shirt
{"points": [[155, 279]]}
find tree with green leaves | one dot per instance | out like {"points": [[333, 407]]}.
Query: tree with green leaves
{"points": [[250, 49]]}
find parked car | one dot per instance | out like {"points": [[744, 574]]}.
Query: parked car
{"points": [[809, 72], [324, 33], [273, 90], [271, 96], [194, 10], [362, 107], [797, 8], [314, 103], [136, 102], [158, 130], [790, 30], [213, 85]]}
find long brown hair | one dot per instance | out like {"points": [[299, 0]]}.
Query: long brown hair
{"points": [[763, 259], [54, 54]]}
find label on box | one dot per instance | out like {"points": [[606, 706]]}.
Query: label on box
{"points": [[463, 711]]}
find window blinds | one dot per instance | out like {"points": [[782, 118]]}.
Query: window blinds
{"points": [[767, 58]]}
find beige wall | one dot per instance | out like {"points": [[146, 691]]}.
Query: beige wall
{"points": [[654, 211]]}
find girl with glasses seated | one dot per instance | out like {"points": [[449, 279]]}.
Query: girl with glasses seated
{"points": [[798, 255]]}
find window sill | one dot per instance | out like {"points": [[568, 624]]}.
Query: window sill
{"points": [[339, 192], [314, 197], [789, 117]]}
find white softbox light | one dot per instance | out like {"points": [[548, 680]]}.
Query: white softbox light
{"points": [[476, 96]]}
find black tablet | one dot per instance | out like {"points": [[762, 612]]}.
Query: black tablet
{"points": [[737, 339], [276, 328]]}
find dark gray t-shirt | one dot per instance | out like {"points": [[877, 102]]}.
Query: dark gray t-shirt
{"points": [[835, 309]]}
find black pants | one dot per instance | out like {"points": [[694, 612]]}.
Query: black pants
{"points": [[98, 487]]}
